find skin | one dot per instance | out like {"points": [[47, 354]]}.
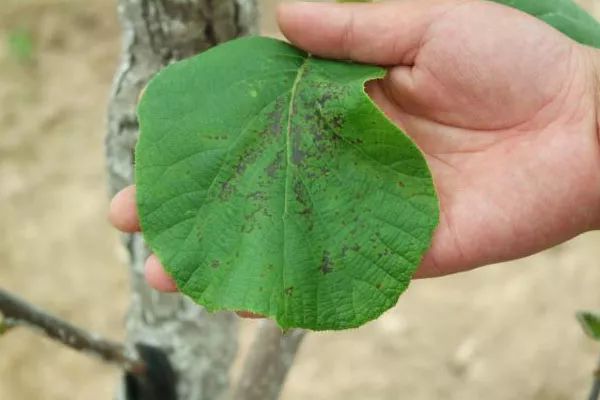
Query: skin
{"points": [[505, 108]]}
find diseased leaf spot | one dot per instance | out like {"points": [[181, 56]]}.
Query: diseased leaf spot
{"points": [[247, 158], [226, 191], [298, 155], [257, 196], [275, 166], [217, 137], [326, 263], [300, 192], [276, 116]]}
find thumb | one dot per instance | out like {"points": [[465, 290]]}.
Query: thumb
{"points": [[386, 33]]}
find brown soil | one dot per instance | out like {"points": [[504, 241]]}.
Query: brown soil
{"points": [[500, 333]]}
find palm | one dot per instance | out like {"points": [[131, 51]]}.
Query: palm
{"points": [[506, 139]]}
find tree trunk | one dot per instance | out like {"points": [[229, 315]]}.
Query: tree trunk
{"points": [[201, 347]]}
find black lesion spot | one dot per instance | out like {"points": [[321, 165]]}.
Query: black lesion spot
{"points": [[250, 220], [300, 192], [257, 196], [275, 116], [298, 155], [325, 98], [227, 190], [318, 136], [336, 122], [247, 158], [289, 291], [344, 250], [222, 137], [215, 264], [326, 263], [276, 165]]}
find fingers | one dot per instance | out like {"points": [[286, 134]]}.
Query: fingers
{"points": [[123, 215], [388, 33], [123, 211], [157, 277]]}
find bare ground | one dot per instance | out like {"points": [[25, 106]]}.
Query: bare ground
{"points": [[501, 333]]}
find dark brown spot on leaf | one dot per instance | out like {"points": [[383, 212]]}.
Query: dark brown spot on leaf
{"points": [[297, 155], [258, 196], [300, 192], [226, 191], [275, 166], [326, 263]]}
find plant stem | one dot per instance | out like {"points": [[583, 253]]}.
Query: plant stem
{"points": [[16, 312], [595, 393]]}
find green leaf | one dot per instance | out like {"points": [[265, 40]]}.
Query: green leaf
{"points": [[20, 44], [590, 322], [564, 15], [268, 181]]}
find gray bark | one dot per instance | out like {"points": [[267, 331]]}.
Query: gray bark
{"points": [[266, 367], [201, 347], [17, 312]]}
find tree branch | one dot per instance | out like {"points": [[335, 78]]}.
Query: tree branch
{"points": [[268, 363], [17, 312]]}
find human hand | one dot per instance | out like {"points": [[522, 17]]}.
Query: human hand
{"points": [[504, 107]]}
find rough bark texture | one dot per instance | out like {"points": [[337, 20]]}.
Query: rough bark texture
{"points": [[266, 368], [201, 347], [17, 312], [157, 32]]}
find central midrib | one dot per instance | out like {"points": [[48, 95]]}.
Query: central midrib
{"points": [[288, 131], [288, 158]]}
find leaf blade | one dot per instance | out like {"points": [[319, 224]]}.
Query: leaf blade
{"points": [[288, 216]]}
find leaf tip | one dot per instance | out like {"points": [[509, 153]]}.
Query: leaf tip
{"points": [[590, 322]]}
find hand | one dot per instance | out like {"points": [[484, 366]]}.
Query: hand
{"points": [[504, 107]]}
